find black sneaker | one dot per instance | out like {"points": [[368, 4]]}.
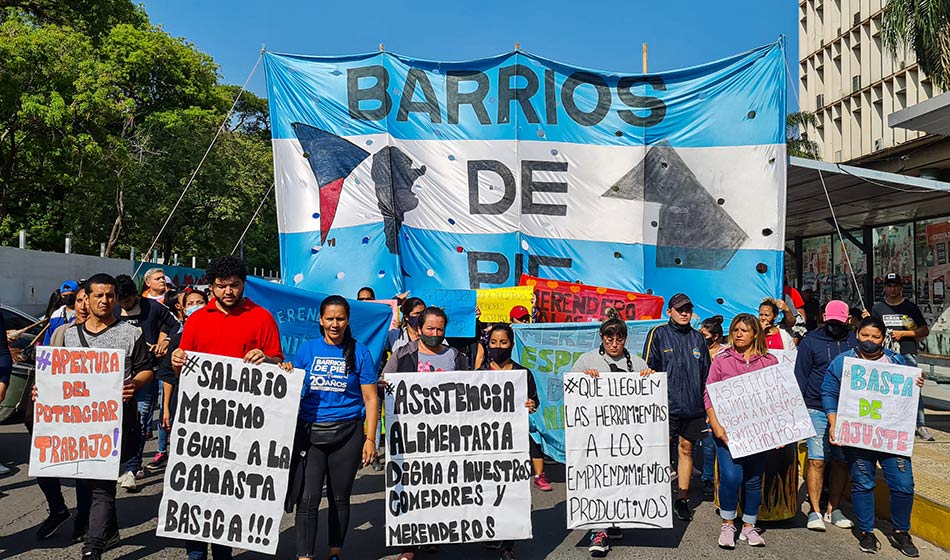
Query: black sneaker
{"points": [[91, 555], [709, 489], [112, 541], [682, 510], [598, 545], [614, 533], [80, 527], [904, 544], [52, 524], [869, 543], [507, 554]]}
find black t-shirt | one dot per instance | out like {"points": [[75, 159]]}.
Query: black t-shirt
{"points": [[905, 316]]}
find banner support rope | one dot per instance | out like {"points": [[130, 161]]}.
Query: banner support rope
{"points": [[254, 217], [191, 180]]}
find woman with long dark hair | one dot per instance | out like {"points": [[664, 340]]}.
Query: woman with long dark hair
{"points": [[711, 329], [747, 353], [408, 330], [330, 444]]}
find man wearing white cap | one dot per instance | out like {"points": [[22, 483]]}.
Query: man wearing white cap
{"points": [[156, 285]]}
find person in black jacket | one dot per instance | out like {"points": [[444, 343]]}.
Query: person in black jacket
{"points": [[815, 353], [680, 350], [157, 323], [427, 354]]}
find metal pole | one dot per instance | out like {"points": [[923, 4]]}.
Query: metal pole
{"points": [[102, 249], [22, 239], [69, 243], [193, 262]]}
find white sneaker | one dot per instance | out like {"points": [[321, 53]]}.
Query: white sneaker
{"points": [[924, 434], [814, 522], [127, 482], [838, 519]]}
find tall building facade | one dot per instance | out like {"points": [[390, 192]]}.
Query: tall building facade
{"points": [[850, 80]]}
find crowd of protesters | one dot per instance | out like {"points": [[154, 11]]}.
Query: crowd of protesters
{"points": [[338, 431]]}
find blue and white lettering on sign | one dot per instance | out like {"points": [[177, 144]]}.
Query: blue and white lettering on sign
{"points": [[401, 174], [298, 317], [459, 306], [549, 350]]}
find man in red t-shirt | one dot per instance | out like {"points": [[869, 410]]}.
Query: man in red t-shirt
{"points": [[230, 325]]}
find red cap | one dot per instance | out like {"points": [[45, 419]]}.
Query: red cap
{"points": [[519, 312], [836, 310]]}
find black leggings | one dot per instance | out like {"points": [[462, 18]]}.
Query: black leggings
{"points": [[337, 463]]}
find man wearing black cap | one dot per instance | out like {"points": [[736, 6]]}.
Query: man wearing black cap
{"points": [[680, 350], [905, 326]]}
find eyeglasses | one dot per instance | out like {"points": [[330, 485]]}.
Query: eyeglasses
{"points": [[614, 339]]}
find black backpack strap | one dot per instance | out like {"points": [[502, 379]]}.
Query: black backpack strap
{"points": [[82, 337]]}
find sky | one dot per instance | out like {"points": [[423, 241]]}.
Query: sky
{"points": [[598, 34]]}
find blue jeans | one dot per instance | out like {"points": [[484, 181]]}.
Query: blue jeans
{"points": [[900, 480], [145, 403], [199, 551], [709, 457], [163, 435], [736, 474]]}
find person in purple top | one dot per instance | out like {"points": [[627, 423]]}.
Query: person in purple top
{"points": [[746, 354]]}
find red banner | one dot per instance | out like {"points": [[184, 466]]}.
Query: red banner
{"points": [[560, 301]]}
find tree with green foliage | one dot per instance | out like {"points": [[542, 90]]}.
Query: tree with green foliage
{"points": [[796, 135], [924, 26], [103, 119]]}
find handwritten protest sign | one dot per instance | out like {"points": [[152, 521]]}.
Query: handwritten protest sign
{"points": [[77, 417], [496, 303], [761, 410], [459, 305], [618, 451], [877, 406], [457, 465], [549, 350], [228, 468], [567, 302]]}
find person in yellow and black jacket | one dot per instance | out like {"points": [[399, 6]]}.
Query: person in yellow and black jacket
{"points": [[680, 350]]}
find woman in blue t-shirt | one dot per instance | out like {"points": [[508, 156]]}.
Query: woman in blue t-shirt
{"points": [[338, 391]]}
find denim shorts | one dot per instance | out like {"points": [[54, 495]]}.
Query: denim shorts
{"points": [[819, 446]]}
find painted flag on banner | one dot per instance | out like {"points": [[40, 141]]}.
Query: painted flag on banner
{"points": [[457, 463], [877, 406], [618, 451], [230, 452], [77, 416], [401, 174]]}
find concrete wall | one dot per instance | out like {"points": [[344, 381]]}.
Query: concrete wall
{"points": [[28, 277]]}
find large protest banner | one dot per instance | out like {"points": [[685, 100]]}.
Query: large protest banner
{"points": [[877, 406], [459, 306], [229, 462], [495, 304], [77, 417], [549, 350], [618, 451], [572, 302], [761, 410], [400, 173], [298, 316], [457, 464]]}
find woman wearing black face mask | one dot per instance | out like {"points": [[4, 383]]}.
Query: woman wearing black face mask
{"points": [[408, 330], [898, 470], [498, 357]]}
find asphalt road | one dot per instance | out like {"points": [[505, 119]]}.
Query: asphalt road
{"points": [[22, 509]]}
